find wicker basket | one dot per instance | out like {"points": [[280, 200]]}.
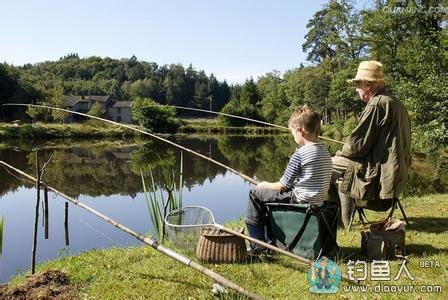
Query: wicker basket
{"points": [[217, 246]]}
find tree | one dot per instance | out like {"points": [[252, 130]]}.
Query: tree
{"points": [[122, 79], [333, 42], [342, 97], [242, 103], [220, 93], [334, 38], [54, 98], [308, 85], [97, 110], [274, 103], [409, 38], [249, 93], [144, 88]]}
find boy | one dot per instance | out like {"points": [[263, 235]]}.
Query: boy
{"points": [[306, 178]]}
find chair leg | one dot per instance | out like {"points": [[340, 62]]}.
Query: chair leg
{"points": [[402, 212], [327, 226], [352, 216], [329, 244], [362, 215], [394, 206]]}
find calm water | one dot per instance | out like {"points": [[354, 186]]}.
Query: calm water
{"points": [[106, 176]]}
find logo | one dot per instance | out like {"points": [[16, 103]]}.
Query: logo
{"points": [[324, 276]]}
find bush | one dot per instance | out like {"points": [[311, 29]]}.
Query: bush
{"points": [[237, 108], [153, 116]]}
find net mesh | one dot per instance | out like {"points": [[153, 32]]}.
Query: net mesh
{"points": [[184, 225]]}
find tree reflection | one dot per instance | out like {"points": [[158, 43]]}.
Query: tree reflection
{"points": [[113, 167]]}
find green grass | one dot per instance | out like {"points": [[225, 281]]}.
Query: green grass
{"points": [[143, 272], [43, 130], [94, 128]]}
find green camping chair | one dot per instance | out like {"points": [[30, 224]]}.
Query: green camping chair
{"points": [[306, 231]]}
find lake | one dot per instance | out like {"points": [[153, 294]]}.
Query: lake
{"points": [[106, 175]]}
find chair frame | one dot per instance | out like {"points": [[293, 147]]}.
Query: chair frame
{"points": [[395, 202]]}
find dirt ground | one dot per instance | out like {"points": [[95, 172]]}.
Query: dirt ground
{"points": [[50, 284]]}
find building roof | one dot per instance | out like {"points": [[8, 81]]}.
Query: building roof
{"points": [[97, 98], [120, 104], [71, 100]]}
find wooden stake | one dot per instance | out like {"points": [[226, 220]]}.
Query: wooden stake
{"points": [[67, 241], [46, 221], [36, 217]]}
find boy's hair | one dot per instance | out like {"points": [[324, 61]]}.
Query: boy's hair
{"points": [[305, 117]]}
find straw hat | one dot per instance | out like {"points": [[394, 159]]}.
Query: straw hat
{"points": [[370, 70]]}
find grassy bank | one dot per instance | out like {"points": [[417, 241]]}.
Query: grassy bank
{"points": [[90, 129], [211, 126], [143, 272], [87, 129]]}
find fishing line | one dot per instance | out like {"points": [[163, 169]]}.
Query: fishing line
{"points": [[16, 177], [113, 242], [247, 119]]}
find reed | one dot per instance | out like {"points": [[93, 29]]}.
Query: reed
{"points": [[159, 205]]}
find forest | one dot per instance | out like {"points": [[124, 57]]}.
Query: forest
{"points": [[410, 39]]}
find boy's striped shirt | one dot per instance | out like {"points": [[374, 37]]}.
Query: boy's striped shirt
{"points": [[308, 174]]}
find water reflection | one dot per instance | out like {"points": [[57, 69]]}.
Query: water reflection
{"points": [[106, 176], [114, 168]]}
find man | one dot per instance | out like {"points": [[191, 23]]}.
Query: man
{"points": [[375, 159]]}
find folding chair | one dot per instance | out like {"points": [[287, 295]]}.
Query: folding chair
{"points": [[309, 232], [376, 205]]}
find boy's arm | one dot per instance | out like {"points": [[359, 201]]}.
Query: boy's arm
{"points": [[276, 186]]}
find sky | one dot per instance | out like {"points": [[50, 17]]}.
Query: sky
{"points": [[233, 39]]}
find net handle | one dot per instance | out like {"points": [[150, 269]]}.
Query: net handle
{"points": [[189, 226]]}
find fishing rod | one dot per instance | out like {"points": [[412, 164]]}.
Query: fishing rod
{"points": [[247, 119], [245, 177], [153, 243]]}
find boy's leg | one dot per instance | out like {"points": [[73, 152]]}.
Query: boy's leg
{"points": [[256, 214]]}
